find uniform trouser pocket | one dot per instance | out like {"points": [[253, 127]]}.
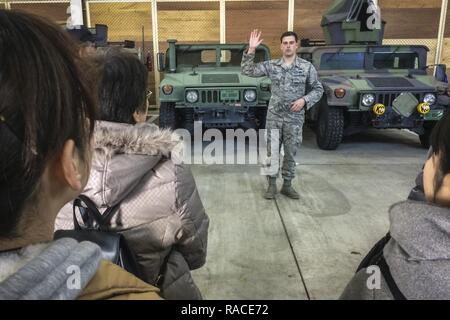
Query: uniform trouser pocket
{"points": [[271, 165], [292, 138]]}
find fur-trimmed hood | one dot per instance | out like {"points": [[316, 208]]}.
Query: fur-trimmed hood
{"points": [[123, 155], [143, 139]]}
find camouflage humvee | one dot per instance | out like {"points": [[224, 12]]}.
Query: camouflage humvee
{"points": [[368, 84], [203, 82]]}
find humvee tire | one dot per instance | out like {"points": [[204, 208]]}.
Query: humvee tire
{"points": [[425, 137], [167, 115], [261, 115], [330, 127], [187, 119]]}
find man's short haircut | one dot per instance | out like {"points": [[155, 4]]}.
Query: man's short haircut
{"points": [[289, 34], [124, 86]]}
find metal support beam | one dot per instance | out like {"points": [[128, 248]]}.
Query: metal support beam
{"points": [[88, 14], [76, 12], [155, 33], [440, 39], [291, 14], [223, 24]]}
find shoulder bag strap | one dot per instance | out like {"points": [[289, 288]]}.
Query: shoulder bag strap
{"points": [[398, 295], [90, 213]]}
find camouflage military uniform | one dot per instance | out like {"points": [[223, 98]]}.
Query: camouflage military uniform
{"points": [[289, 83]]}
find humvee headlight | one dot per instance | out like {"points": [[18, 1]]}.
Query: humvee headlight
{"points": [[368, 99], [250, 95], [167, 89], [192, 96], [423, 108], [379, 109], [429, 98]]}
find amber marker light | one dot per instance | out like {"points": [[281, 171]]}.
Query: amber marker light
{"points": [[379, 109], [339, 93], [423, 108], [167, 89]]}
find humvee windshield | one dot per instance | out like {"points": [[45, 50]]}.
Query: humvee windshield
{"points": [[362, 60], [383, 60], [207, 57], [342, 60]]}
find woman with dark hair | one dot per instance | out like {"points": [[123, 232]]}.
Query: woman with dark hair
{"points": [[161, 215], [47, 117], [417, 257]]}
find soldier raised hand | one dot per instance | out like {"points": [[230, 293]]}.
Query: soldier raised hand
{"points": [[254, 41]]}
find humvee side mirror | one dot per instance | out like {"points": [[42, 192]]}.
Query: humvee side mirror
{"points": [[161, 58], [440, 74]]}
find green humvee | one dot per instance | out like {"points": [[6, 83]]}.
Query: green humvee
{"points": [[203, 82], [368, 84]]}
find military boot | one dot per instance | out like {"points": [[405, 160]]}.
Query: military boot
{"points": [[272, 189], [288, 190]]}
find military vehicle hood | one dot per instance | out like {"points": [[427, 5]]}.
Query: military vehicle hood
{"points": [[211, 77], [380, 82]]}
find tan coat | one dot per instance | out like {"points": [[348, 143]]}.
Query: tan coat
{"points": [[113, 283]]}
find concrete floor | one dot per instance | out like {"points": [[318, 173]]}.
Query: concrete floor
{"points": [[309, 248]]}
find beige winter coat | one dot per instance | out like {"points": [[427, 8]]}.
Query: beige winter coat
{"points": [[160, 206]]}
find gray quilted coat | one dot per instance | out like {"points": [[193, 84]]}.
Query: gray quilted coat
{"points": [[160, 212]]}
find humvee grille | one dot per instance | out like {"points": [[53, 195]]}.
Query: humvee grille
{"points": [[392, 82], [220, 78], [222, 96], [210, 96], [387, 98]]}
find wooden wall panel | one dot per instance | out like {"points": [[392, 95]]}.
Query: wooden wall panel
{"points": [[447, 22], [55, 12], [307, 18], [405, 19], [446, 53], [188, 22], [189, 26], [411, 23], [269, 16], [124, 20]]}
